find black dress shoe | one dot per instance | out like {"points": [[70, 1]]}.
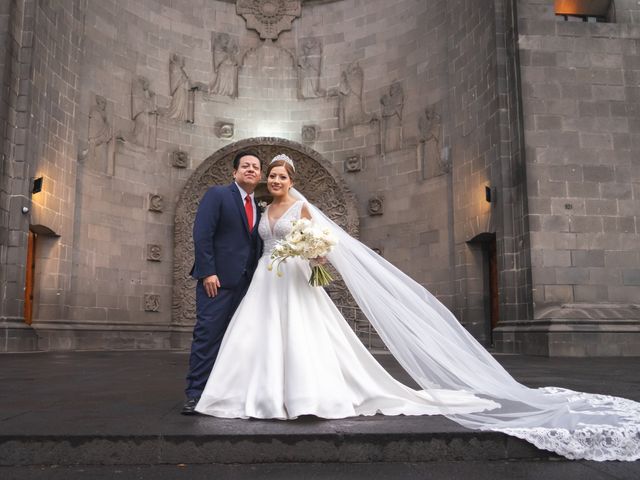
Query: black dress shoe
{"points": [[189, 407]]}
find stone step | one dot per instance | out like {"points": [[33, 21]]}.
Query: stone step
{"points": [[263, 448], [123, 408]]}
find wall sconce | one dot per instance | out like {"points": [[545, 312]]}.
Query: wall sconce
{"points": [[487, 193], [37, 185]]}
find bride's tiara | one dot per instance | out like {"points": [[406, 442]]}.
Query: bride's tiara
{"points": [[285, 158]]}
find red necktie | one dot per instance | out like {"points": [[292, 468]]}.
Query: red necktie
{"points": [[249, 209]]}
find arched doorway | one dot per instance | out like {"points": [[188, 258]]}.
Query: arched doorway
{"points": [[315, 178]]}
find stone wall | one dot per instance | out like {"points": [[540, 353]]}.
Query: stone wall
{"points": [[627, 11], [581, 98], [52, 152], [513, 248], [415, 103], [17, 17], [473, 97], [111, 293], [5, 84]]}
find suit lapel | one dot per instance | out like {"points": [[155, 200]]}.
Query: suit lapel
{"points": [[237, 196], [258, 216]]}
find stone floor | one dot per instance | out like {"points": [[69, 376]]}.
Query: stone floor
{"points": [[122, 408]]}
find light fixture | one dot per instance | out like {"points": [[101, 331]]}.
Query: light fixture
{"points": [[487, 193], [37, 185]]}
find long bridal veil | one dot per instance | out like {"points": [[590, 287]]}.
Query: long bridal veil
{"points": [[434, 348]]}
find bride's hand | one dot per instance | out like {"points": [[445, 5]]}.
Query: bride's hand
{"points": [[318, 261]]}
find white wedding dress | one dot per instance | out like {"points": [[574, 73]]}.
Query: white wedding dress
{"points": [[289, 352]]}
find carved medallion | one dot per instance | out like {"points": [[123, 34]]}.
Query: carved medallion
{"points": [[154, 253], [151, 302], [156, 202], [224, 130], [309, 133], [180, 159], [375, 207], [269, 17], [353, 164]]}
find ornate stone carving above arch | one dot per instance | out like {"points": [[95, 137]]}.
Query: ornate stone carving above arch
{"points": [[315, 178], [269, 17]]}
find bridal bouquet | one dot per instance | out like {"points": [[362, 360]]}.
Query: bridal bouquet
{"points": [[309, 242]]}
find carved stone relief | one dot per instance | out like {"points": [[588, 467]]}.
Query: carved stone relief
{"points": [[309, 133], [101, 150], [349, 93], [156, 202], [353, 164], [179, 159], [151, 302], [375, 206], [269, 17], [430, 159], [154, 253], [445, 159], [225, 65], [224, 130], [391, 123], [309, 69], [314, 177], [144, 113], [182, 91]]}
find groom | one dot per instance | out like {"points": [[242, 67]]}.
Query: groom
{"points": [[227, 249]]}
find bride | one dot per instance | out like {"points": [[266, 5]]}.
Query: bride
{"points": [[288, 352]]}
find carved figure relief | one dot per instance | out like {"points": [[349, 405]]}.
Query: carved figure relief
{"points": [[225, 65], [151, 302], [144, 114], [269, 17], [182, 92], [391, 124], [309, 68], [100, 138], [429, 146], [349, 93], [180, 159], [156, 202]]}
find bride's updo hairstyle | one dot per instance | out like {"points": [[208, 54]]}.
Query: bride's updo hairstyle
{"points": [[282, 161]]}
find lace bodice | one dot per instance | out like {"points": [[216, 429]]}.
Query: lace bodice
{"points": [[270, 234]]}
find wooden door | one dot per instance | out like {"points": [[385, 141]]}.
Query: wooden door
{"points": [[30, 268], [493, 283]]}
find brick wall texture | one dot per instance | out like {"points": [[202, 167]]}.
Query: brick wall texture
{"points": [[542, 112], [581, 94]]}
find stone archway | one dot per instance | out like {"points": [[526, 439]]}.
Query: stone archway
{"points": [[315, 178]]}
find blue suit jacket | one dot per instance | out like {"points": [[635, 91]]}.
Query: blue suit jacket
{"points": [[223, 244]]}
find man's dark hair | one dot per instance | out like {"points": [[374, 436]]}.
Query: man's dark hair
{"points": [[244, 153]]}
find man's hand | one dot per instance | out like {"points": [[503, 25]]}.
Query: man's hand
{"points": [[211, 285]]}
